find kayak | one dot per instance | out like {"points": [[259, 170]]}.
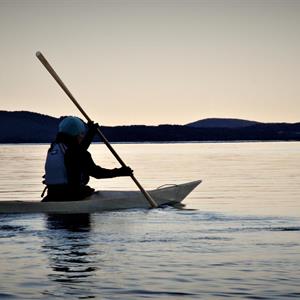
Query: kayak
{"points": [[103, 201]]}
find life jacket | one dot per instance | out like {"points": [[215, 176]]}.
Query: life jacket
{"points": [[55, 169]]}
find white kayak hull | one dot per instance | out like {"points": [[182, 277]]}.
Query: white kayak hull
{"points": [[103, 201]]}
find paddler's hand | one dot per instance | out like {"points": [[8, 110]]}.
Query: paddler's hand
{"points": [[92, 127], [124, 171]]}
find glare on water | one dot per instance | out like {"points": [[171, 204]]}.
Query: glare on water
{"points": [[238, 237]]}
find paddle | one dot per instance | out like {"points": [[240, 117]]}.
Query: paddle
{"points": [[46, 64]]}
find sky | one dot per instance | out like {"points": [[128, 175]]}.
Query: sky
{"points": [[153, 62]]}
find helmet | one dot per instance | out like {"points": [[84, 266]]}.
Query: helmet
{"points": [[72, 126]]}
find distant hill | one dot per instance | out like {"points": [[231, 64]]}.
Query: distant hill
{"points": [[29, 127], [26, 127], [222, 123]]}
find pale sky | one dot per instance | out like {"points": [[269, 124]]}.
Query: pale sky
{"points": [[153, 62]]}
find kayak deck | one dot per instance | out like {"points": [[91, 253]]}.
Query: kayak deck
{"points": [[103, 201]]}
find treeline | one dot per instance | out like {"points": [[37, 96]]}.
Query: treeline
{"points": [[177, 133], [29, 127]]}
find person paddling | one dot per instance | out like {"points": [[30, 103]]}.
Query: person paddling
{"points": [[69, 165]]}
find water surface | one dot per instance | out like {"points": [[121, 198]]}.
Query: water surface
{"points": [[239, 236]]}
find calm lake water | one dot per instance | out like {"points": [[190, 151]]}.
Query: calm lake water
{"points": [[238, 236]]}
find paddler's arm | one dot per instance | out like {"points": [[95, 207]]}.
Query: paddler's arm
{"points": [[99, 172], [89, 136]]}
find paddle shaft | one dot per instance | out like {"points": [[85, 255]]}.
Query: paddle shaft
{"points": [[49, 68]]}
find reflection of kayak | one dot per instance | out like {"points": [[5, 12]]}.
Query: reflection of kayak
{"points": [[103, 201]]}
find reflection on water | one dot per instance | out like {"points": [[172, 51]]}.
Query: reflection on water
{"points": [[69, 222], [68, 247]]}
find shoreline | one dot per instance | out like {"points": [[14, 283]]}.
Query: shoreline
{"points": [[167, 142]]}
